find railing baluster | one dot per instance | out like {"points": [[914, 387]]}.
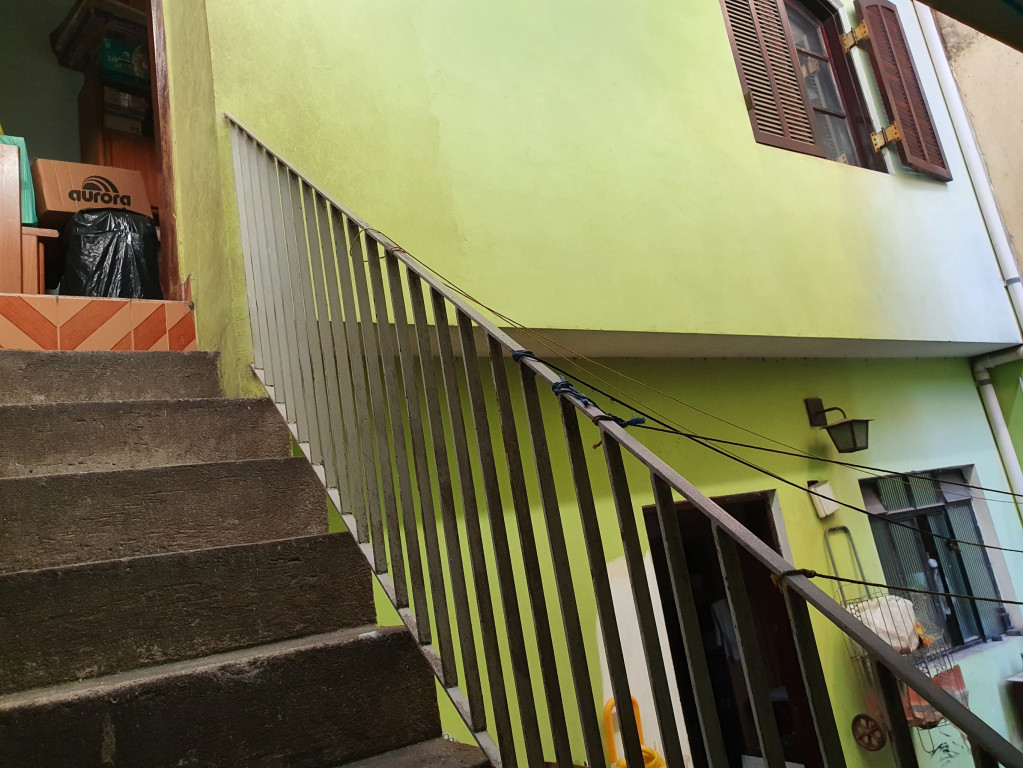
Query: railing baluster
{"points": [[371, 331], [267, 329], [319, 433], [644, 604], [266, 168], [239, 144], [981, 758], [531, 565], [470, 509], [813, 680], [406, 356], [313, 272], [689, 622], [746, 636], [562, 565], [899, 736], [362, 463], [338, 378], [601, 583], [466, 636], [388, 352], [305, 411], [365, 379], [505, 573]]}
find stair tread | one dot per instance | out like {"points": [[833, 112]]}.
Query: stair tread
{"points": [[54, 520], [129, 613], [321, 700], [38, 377], [121, 682], [56, 438], [436, 753]]}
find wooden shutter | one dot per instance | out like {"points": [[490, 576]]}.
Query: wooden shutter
{"points": [[919, 147], [769, 73]]}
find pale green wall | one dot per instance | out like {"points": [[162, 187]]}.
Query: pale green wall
{"points": [[926, 415], [208, 249], [591, 165]]}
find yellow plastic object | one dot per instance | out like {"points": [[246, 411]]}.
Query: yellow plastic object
{"points": [[650, 757]]}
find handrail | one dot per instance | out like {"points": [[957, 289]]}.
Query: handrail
{"points": [[353, 339]]}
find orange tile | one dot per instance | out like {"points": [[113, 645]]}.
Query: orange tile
{"points": [[125, 344], [92, 323], [149, 325], [181, 335], [28, 322]]}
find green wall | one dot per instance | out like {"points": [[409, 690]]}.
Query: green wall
{"points": [[926, 416], [209, 251], [606, 148]]}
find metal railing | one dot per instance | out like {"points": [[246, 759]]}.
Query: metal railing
{"points": [[400, 393]]}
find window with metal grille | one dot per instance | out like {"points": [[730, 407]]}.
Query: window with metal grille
{"points": [[920, 555]]}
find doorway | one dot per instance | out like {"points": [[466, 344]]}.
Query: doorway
{"points": [[788, 697], [87, 83]]}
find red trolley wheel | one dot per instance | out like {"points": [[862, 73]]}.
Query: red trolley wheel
{"points": [[868, 733]]}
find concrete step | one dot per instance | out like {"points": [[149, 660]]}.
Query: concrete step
{"points": [[61, 377], [88, 437], [53, 520], [315, 702], [97, 619], [436, 753]]}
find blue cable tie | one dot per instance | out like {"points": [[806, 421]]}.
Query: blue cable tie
{"points": [[565, 388], [518, 354], [635, 421]]}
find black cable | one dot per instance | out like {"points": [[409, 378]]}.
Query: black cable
{"points": [[812, 492], [809, 573], [795, 454]]}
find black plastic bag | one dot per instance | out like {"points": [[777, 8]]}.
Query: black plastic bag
{"points": [[112, 254]]}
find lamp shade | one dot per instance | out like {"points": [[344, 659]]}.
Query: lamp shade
{"points": [[849, 435]]}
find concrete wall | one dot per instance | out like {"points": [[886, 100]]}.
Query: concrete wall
{"points": [[990, 78], [38, 97]]}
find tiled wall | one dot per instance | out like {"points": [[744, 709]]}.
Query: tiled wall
{"points": [[76, 323]]}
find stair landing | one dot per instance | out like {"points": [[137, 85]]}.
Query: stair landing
{"points": [[76, 323]]}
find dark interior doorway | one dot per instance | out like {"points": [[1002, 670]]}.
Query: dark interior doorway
{"points": [[788, 696]]}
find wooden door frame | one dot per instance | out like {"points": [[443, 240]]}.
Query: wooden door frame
{"points": [[170, 278]]}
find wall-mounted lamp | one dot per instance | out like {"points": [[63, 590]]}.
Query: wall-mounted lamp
{"points": [[848, 435]]}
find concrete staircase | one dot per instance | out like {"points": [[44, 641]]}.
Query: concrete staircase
{"points": [[169, 594]]}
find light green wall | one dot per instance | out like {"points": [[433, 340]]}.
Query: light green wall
{"points": [[208, 249], [926, 415], [591, 165], [38, 97]]}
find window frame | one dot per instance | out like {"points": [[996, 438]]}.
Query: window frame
{"points": [[850, 92], [919, 517]]}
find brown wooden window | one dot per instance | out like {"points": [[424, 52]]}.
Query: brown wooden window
{"points": [[901, 91], [802, 93]]}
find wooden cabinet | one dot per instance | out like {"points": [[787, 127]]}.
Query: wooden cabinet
{"points": [[103, 145]]}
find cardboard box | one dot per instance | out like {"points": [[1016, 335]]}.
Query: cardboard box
{"points": [[122, 62], [64, 188]]}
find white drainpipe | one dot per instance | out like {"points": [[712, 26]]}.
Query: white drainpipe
{"points": [[999, 242]]}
